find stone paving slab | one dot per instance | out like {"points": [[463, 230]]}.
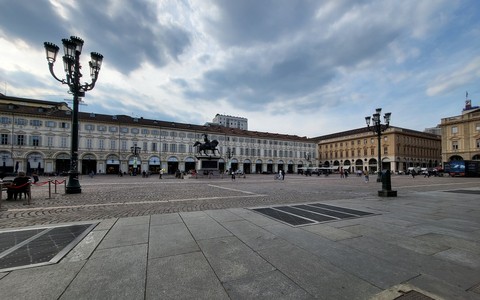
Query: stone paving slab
{"points": [[232, 260], [184, 276], [48, 282], [124, 234], [421, 264], [208, 229], [165, 219], [170, 239], [115, 273], [370, 268], [450, 241], [270, 285], [85, 248], [409, 243], [254, 236], [223, 215], [331, 233], [318, 277], [461, 257]]}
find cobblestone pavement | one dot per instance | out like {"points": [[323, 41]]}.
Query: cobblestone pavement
{"points": [[105, 197]]}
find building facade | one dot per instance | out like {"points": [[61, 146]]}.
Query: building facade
{"points": [[35, 135], [461, 135], [231, 122], [401, 148]]}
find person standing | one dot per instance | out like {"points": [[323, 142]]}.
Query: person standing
{"points": [[161, 174]]}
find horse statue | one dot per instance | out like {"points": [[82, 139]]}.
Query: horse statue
{"points": [[208, 145]]}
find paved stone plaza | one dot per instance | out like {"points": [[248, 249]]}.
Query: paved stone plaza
{"points": [[199, 239]]}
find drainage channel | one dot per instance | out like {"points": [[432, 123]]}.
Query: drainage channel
{"points": [[309, 214], [41, 246]]}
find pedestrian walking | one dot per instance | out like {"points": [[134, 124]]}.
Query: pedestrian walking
{"points": [[342, 173], [233, 175], [161, 174], [365, 173], [35, 177]]}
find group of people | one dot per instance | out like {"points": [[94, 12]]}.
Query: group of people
{"points": [[343, 173], [18, 186]]}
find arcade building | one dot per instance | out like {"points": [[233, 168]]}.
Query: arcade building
{"points": [[35, 137]]}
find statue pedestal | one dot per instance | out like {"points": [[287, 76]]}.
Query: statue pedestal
{"points": [[207, 165]]}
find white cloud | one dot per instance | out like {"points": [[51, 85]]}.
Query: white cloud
{"points": [[298, 67], [452, 79]]}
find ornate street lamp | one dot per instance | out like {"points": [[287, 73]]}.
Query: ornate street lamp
{"points": [[71, 63], [377, 128], [135, 151]]}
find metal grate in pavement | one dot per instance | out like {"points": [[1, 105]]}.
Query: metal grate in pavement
{"points": [[35, 247], [472, 192], [308, 214], [285, 217], [413, 295]]}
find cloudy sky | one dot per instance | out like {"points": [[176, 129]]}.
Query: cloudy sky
{"points": [[296, 67]]}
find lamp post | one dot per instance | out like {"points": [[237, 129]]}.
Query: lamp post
{"points": [[377, 128], [71, 64], [135, 151]]}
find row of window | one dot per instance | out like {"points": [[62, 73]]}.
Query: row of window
{"points": [[36, 141], [455, 145], [404, 139], [144, 131], [155, 132], [335, 154], [454, 129], [406, 150], [33, 123]]}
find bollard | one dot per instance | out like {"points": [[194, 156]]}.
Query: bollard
{"points": [[56, 182], [387, 185], [49, 188]]}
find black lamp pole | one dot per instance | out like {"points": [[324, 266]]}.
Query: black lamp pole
{"points": [[135, 151], [71, 64], [377, 128]]}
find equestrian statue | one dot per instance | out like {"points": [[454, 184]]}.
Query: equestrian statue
{"points": [[208, 145]]}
